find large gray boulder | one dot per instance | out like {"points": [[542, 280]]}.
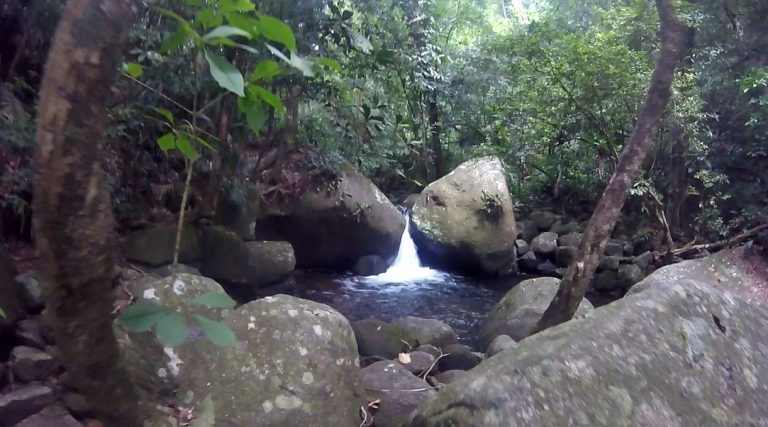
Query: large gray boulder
{"points": [[465, 221], [333, 226], [521, 308], [154, 246], [683, 348]]}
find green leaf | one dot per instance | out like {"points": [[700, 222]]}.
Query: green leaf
{"points": [[244, 22], [133, 69], [330, 63], [295, 61], [219, 333], [171, 330], [141, 316], [183, 144], [165, 113], [207, 18], [2, 314], [167, 142], [256, 116], [214, 300], [277, 30], [227, 6], [225, 74], [267, 97], [174, 41], [247, 48], [207, 415], [226, 31], [204, 143], [266, 70]]}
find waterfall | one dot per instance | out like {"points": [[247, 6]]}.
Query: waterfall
{"points": [[407, 266]]}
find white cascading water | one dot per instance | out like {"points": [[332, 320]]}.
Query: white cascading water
{"points": [[407, 266]]}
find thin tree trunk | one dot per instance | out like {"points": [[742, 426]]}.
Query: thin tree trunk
{"points": [[574, 284], [73, 216]]}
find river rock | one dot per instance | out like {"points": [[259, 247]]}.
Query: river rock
{"points": [[570, 239], [543, 220], [527, 230], [254, 264], [643, 260], [458, 356], [614, 248], [426, 331], [332, 227], [410, 200], [30, 364], [629, 274], [430, 349], [31, 332], [418, 362], [521, 308], [370, 265], [240, 216], [394, 405], [378, 338], [521, 246], [544, 244], [499, 344], [451, 376], [683, 348], [23, 402], [564, 255], [52, 416], [465, 221], [31, 291], [608, 263], [528, 262], [154, 246], [606, 281], [567, 228]]}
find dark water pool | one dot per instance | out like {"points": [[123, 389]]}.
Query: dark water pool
{"points": [[461, 302]]}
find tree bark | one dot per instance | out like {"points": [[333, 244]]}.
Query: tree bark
{"points": [[73, 216], [574, 284]]}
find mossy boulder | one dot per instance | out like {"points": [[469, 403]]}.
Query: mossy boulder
{"points": [[335, 224], [521, 308], [465, 221], [154, 246], [683, 348], [240, 216]]}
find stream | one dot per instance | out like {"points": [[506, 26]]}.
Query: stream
{"points": [[409, 289]]}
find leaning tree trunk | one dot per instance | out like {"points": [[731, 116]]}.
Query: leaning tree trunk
{"points": [[72, 211], [574, 284]]}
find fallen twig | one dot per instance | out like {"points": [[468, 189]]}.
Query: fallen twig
{"points": [[716, 245]]}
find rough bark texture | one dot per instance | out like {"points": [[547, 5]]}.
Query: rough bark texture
{"points": [[73, 216], [574, 284]]}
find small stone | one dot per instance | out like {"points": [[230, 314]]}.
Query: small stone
{"points": [[562, 229], [608, 263], [448, 377], [528, 262], [564, 255], [547, 267], [614, 249], [499, 344], [23, 402], [527, 230], [460, 357], [521, 246], [418, 362], [544, 244], [543, 220], [31, 291], [629, 275], [606, 281], [30, 332], [643, 260], [51, 416], [570, 239], [76, 402], [31, 364], [370, 265], [430, 349]]}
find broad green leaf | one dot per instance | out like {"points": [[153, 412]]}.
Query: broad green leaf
{"points": [[277, 30], [2, 314], [256, 116], [207, 415], [171, 330], [194, 2], [207, 18], [226, 31], [214, 300], [221, 41], [133, 69], [267, 97], [141, 316], [165, 113], [167, 142], [219, 333], [204, 143], [225, 74], [174, 41], [246, 48], [330, 63], [183, 144], [227, 6], [244, 22], [266, 70], [302, 64]]}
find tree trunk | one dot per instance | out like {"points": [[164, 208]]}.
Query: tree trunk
{"points": [[73, 215], [434, 134], [574, 284], [677, 191]]}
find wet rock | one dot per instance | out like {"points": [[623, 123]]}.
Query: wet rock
{"points": [[567, 228], [154, 246], [521, 308], [419, 362], [409, 201], [544, 244], [499, 344], [547, 268], [31, 291], [429, 348], [608, 263], [336, 225], [543, 220], [30, 364], [643, 260], [614, 248], [465, 220], [606, 281], [521, 246], [169, 270], [458, 356], [451, 376], [378, 338], [676, 350], [570, 239], [528, 262], [426, 331], [51, 416], [394, 406], [564, 255], [370, 265], [527, 230], [251, 264], [629, 275], [23, 402]]}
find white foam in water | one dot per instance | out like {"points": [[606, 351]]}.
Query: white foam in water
{"points": [[407, 266]]}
